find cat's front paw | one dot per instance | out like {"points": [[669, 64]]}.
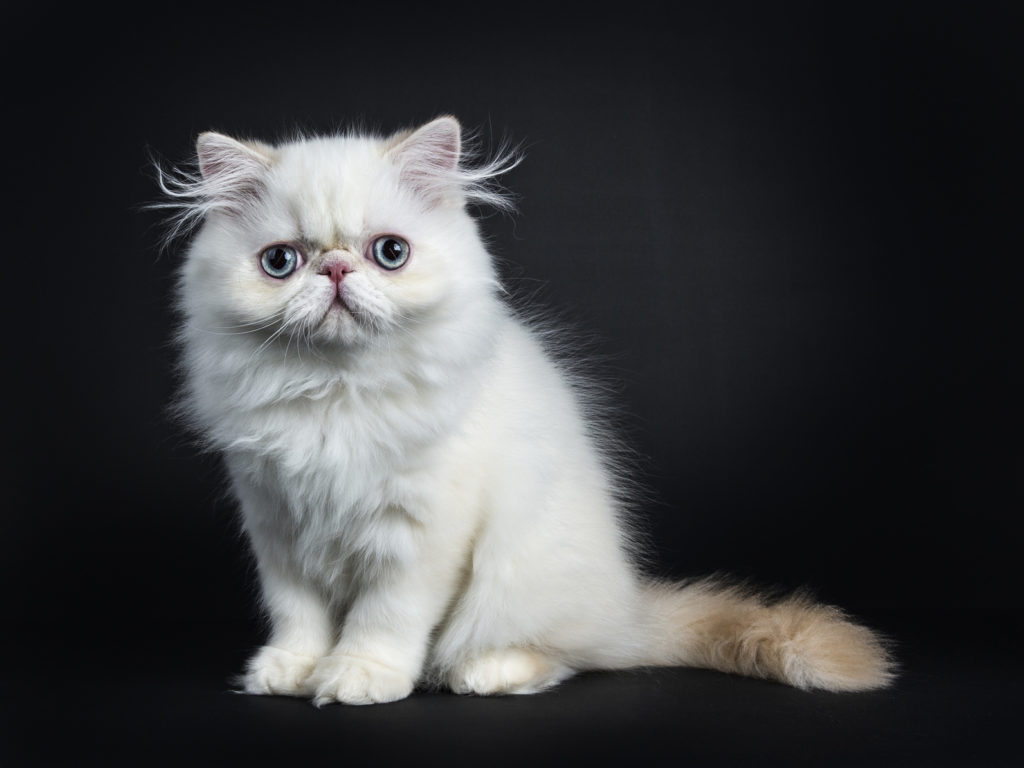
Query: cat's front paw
{"points": [[275, 671], [352, 680]]}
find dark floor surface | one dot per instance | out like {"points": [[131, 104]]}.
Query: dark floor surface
{"points": [[948, 708]]}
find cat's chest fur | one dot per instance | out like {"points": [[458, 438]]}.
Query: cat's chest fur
{"points": [[342, 481]]}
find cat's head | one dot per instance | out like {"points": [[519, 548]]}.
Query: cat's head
{"points": [[335, 241]]}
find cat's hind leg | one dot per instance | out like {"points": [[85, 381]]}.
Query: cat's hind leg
{"points": [[509, 670]]}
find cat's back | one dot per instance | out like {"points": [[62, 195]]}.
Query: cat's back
{"points": [[528, 421]]}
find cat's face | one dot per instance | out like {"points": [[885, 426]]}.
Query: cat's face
{"points": [[333, 242]]}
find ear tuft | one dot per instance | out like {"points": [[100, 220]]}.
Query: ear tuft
{"points": [[230, 178], [232, 171], [428, 157]]}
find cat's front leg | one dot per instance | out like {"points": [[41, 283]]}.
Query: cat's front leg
{"points": [[383, 644], [302, 629], [384, 640], [301, 634]]}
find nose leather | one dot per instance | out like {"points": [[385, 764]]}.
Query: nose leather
{"points": [[336, 265]]}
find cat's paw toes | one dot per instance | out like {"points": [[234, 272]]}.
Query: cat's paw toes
{"points": [[512, 670], [275, 671], [352, 680]]}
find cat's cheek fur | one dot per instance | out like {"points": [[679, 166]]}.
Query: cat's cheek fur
{"points": [[228, 293]]}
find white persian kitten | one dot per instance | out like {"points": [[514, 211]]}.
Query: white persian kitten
{"points": [[425, 494]]}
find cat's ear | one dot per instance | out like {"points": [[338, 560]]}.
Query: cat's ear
{"points": [[233, 172], [428, 157]]}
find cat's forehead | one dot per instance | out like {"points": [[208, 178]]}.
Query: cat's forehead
{"points": [[329, 184]]}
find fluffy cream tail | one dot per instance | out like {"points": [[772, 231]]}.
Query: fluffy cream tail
{"points": [[794, 640]]}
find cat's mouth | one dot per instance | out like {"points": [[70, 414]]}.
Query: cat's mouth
{"points": [[338, 321], [340, 313], [339, 303], [352, 309]]}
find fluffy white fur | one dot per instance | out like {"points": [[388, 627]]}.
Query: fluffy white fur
{"points": [[424, 494]]}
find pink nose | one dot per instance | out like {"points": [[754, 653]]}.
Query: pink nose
{"points": [[336, 270]]}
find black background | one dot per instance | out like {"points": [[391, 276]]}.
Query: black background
{"points": [[789, 234]]}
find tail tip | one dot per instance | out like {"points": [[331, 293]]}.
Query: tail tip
{"points": [[838, 655]]}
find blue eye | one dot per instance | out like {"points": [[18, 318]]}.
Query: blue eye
{"points": [[390, 252], [279, 261]]}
